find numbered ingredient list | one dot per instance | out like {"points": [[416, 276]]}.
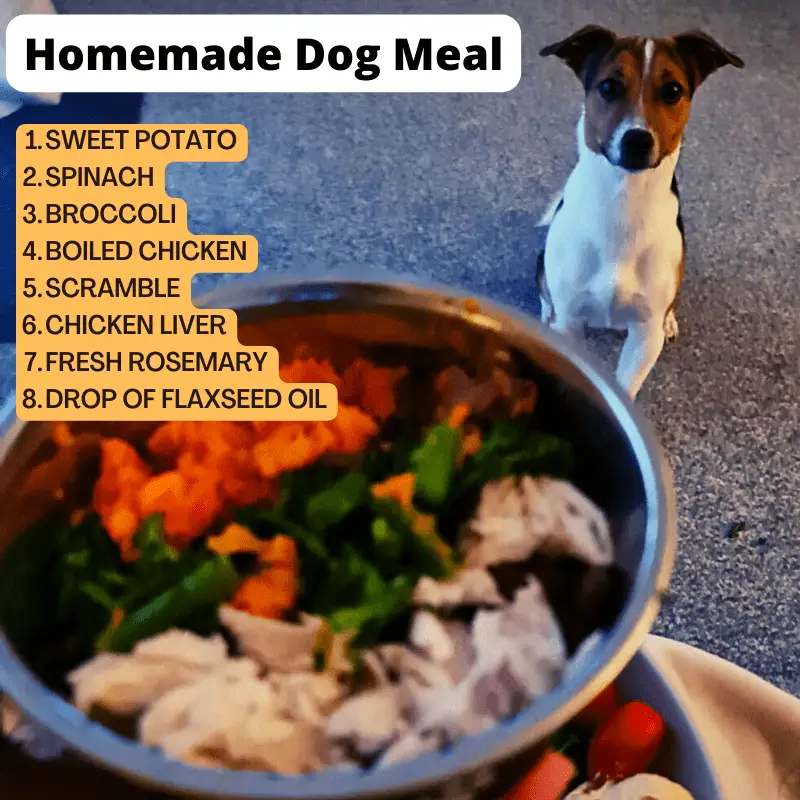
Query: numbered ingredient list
{"points": [[106, 328]]}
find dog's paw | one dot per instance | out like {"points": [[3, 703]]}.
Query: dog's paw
{"points": [[670, 327]]}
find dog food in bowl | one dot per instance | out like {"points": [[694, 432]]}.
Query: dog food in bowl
{"points": [[274, 599], [295, 596]]}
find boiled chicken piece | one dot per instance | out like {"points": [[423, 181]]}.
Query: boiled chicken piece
{"points": [[500, 530], [639, 787], [370, 721], [469, 587], [519, 654], [411, 745], [375, 668], [235, 722], [429, 635], [276, 645], [125, 684], [446, 643], [518, 517], [412, 668], [310, 696], [524, 636], [582, 529]]}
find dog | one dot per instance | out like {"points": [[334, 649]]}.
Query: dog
{"points": [[614, 253]]}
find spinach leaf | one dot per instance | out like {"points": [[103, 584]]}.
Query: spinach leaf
{"points": [[266, 522], [392, 458], [382, 602], [512, 448], [335, 503], [298, 486], [206, 587], [159, 567], [27, 566], [151, 543], [420, 550], [58, 586]]}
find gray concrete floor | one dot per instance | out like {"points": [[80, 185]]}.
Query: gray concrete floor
{"points": [[452, 186]]}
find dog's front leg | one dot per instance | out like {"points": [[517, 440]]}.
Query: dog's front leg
{"points": [[639, 354]]}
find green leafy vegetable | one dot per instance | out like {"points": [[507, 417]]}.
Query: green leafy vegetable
{"points": [[434, 463], [382, 602], [330, 506], [26, 572], [159, 567], [151, 543], [394, 458], [424, 552], [512, 448], [267, 522], [388, 544], [211, 584], [58, 584]]}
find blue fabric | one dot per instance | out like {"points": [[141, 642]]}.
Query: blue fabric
{"points": [[112, 109]]}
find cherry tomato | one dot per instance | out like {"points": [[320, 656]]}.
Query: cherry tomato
{"points": [[626, 743], [599, 709]]}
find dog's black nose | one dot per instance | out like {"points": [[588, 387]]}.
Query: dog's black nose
{"points": [[636, 149]]}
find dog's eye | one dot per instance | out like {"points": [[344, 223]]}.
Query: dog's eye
{"points": [[671, 92], [611, 89]]}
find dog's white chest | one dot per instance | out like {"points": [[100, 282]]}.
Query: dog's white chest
{"points": [[613, 248]]}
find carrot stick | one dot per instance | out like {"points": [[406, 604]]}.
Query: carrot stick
{"points": [[548, 780]]}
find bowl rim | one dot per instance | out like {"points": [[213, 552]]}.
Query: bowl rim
{"points": [[150, 768]]}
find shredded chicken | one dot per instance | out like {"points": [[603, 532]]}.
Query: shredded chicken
{"points": [[469, 587], [519, 654], [446, 643], [412, 668], [125, 684], [639, 787], [526, 637], [274, 644], [338, 660], [234, 721], [312, 696], [509, 656], [370, 721], [429, 634], [516, 518]]}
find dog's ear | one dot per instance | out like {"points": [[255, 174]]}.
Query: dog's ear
{"points": [[583, 48], [702, 55]]}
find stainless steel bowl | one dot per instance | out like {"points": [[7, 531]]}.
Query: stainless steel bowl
{"points": [[622, 468]]}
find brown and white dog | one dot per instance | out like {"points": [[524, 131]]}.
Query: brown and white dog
{"points": [[614, 252]]}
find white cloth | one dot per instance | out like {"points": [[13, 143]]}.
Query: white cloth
{"points": [[10, 99], [750, 729]]}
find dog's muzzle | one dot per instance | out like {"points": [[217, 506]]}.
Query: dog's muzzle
{"points": [[636, 150]]}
